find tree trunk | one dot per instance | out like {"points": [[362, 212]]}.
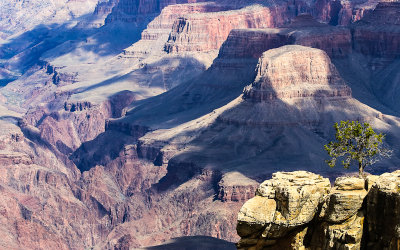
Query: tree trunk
{"points": [[360, 169]]}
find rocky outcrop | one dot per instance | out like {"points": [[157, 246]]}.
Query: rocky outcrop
{"points": [[60, 78], [127, 193], [11, 158], [63, 79], [295, 72], [158, 30], [300, 210], [282, 204], [236, 187], [194, 27], [347, 12], [127, 128]]}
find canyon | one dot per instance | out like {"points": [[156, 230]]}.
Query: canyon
{"points": [[127, 123]]}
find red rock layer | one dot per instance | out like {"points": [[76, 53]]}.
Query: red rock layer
{"points": [[158, 30], [170, 14], [204, 32], [229, 192], [204, 27]]}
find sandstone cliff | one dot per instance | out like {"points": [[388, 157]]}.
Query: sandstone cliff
{"points": [[300, 210]]}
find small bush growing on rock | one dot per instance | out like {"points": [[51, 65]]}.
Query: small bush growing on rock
{"points": [[356, 142]]}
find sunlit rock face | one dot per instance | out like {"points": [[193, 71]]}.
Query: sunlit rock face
{"points": [[289, 213], [302, 30], [296, 72], [209, 30]]}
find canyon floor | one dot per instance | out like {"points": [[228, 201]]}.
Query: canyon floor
{"points": [[129, 124]]}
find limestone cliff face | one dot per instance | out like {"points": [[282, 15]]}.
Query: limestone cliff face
{"points": [[300, 210]]}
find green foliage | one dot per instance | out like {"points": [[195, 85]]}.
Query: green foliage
{"points": [[356, 142]]}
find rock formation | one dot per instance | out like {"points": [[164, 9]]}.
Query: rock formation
{"points": [[88, 160], [202, 32], [300, 210], [303, 30], [197, 26], [159, 29], [319, 76], [236, 187]]}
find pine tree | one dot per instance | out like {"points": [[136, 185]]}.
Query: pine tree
{"points": [[356, 142]]}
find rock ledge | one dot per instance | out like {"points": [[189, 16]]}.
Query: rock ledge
{"points": [[300, 210]]}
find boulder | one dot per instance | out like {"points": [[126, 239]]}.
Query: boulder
{"points": [[287, 201]]}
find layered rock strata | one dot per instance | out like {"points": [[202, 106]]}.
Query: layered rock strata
{"points": [[377, 35], [194, 26], [202, 32], [300, 210], [236, 187], [158, 30], [303, 30], [295, 72], [207, 31]]}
